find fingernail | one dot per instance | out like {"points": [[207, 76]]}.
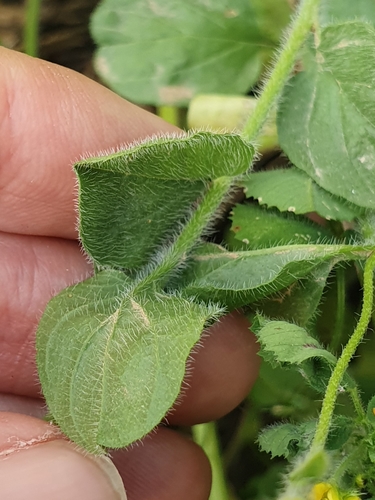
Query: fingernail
{"points": [[107, 467], [56, 469]]}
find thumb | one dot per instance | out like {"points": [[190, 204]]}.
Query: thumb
{"points": [[36, 462]]}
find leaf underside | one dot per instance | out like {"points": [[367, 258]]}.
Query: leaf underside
{"points": [[111, 361], [239, 278]]}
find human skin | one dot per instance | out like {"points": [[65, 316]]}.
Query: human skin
{"points": [[49, 117]]}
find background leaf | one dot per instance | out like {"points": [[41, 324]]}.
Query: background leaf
{"points": [[111, 361], [132, 201], [272, 17], [294, 191], [165, 52], [336, 88], [260, 228]]}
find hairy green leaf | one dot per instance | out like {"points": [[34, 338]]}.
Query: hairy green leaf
{"points": [[293, 191], [238, 278], [111, 360], [165, 52], [131, 201], [193, 156], [258, 228], [288, 344], [326, 122], [286, 440]]}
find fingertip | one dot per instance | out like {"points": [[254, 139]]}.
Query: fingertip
{"points": [[71, 116], [38, 463], [165, 465], [221, 372]]}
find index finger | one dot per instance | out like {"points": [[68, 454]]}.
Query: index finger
{"points": [[49, 117]]}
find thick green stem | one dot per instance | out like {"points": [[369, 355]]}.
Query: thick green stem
{"points": [[329, 400], [169, 259], [299, 30], [206, 436], [31, 29]]}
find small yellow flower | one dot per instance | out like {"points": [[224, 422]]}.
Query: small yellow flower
{"points": [[326, 491]]}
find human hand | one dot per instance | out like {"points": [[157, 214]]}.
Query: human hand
{"points": [[49, 117]]}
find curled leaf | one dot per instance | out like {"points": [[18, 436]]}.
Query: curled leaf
{"points": [[131, 201]]}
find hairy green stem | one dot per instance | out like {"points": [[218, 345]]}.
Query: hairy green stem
{"points": [[31, 28], [340, 310], [357, 402], [330, 397], [351, 459], [205, 435], [169, 259], [299, 30]]}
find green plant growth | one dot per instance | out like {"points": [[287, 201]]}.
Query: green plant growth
{"points": [[112, 350], [31, 29]]}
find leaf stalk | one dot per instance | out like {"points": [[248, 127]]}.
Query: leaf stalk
{"points": [[206, 436], [299, 30], [31, 29], [170, 258], [348, 352], [340, 310]]}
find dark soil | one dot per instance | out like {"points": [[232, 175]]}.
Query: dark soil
{"points": [[64, 35]]}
